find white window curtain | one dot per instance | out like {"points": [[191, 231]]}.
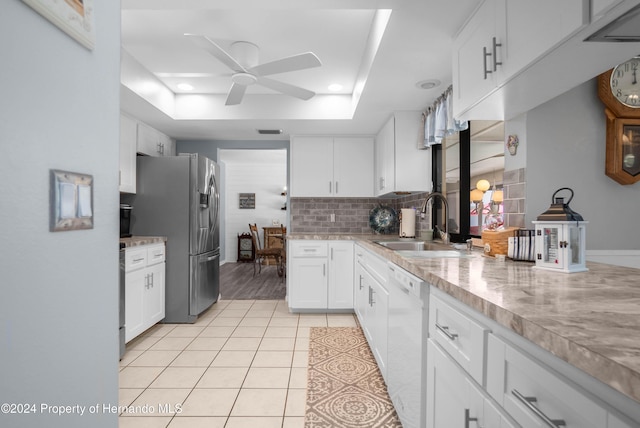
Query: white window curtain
{"points": [[439, 121]]}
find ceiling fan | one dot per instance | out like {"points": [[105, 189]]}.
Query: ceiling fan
{"points": [[247, 71]]}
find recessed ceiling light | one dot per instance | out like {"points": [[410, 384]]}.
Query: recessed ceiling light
{"points": [[185, 87], [428, 84], [335, 87]]}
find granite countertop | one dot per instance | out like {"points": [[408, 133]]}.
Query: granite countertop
{"points": [[588, 319], [135, 241]]}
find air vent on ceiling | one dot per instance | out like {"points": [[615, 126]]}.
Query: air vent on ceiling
{"points": [[270, 131]]}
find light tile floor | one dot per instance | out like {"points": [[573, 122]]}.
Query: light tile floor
{"points": [[243, 364]]}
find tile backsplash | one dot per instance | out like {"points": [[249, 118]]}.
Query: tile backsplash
{"points": [[351, 215], [313, 215]]}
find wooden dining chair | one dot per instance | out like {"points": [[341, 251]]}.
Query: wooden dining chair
{"points": [[263, 253]]}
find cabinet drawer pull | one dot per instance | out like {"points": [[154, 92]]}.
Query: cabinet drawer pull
{"points": [[528, 402], [468, 418], [446, 332], [138, 260]]}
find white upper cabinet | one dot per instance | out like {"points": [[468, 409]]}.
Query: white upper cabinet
{"points": [[499, 41], [332, 167], [128, 131], [533, 28], [400, 165], [474, 59], [152, 142]]}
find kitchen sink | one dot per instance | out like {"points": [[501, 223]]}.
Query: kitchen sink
{"points": [[433, 254], [421, 249], [407, 245]]}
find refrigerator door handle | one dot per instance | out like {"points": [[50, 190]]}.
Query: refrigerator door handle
{"points": [[213, 186]]}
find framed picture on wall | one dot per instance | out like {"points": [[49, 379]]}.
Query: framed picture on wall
{"points": [[74, 17], [247, 201]]}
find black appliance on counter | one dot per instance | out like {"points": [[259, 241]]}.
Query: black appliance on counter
{"points": [[125, 220]]}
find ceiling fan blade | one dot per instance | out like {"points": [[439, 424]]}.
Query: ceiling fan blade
{"points": [[285, 88], [292, 63], [236, 93], [212, 47]]}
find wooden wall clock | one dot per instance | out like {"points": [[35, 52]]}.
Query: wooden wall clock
{"points": [[619, 90], [246, 252]]}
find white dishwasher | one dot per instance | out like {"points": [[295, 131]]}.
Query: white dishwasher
{"points": [[407, 345]]}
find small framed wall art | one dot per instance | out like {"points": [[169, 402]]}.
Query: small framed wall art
{"points": [[71, 201], [74, 17], [247, 201]]}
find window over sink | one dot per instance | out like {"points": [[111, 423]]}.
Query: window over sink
{"points": [[462, 164]]}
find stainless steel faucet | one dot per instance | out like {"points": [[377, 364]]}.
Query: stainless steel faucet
{"points": [[444, 235]]}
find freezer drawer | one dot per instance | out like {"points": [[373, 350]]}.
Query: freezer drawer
{"points": [[204, 282]]}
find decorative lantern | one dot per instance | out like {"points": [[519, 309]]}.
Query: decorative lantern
{"points": [[560, 237]]}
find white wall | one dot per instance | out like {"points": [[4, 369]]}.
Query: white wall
{"points": [[59, 302], [566, 148], [263, 172]]}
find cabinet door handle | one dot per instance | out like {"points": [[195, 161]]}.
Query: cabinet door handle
{"points": [[495, 54], [151, 280], [330, 187], [360, 282], [373, 292], [468, 418], [324, 269], [381, 183], [370, 298], [485, 55], [528, 402], [446, 332], [336, 187]]}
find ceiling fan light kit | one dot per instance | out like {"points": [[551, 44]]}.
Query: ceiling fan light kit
{"points": [[243, 61]]}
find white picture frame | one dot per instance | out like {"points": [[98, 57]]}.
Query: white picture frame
{"points": [[74, 17]]}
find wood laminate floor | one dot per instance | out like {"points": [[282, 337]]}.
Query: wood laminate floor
{"points": [[237, 282]]}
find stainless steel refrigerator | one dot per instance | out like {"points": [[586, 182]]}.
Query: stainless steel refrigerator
{"points": [[178, 197]]}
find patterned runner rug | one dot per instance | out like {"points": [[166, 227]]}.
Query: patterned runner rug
{"points": [[345, 387]]}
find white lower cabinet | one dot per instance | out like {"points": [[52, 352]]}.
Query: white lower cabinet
{"points": [[144, 288], [536, 396], [478, 369], [372, 302], [375, 318], [453, 399], [360, 291], [320, 275], [340, 286]]}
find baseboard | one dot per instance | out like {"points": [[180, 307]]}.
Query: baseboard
{"points": [[628, 258]]}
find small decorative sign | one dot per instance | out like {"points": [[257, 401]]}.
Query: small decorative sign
{"points": [[512, 144], [247, 201], [71, 202], [74, 17]]}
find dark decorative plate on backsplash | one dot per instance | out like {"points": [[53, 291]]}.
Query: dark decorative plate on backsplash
{"points": [[382, 219]]}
